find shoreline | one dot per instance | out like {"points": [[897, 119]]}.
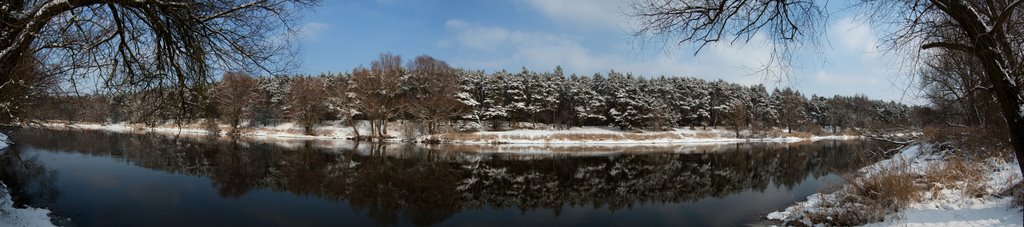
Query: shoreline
{"points": [[944, 204], [577, 136], [13, 216]]}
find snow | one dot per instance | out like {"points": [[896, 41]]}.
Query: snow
{"points": [[29, 216], [3, 141], [989, 212], [945, 207], [11, 216], [609, 136], [328, 131], [577, 136]]}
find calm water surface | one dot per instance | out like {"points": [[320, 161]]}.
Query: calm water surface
{"points": [[93, 178]]}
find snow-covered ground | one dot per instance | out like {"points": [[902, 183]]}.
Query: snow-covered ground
{"points": [[603, 135], [329, 131], [943, 207], [3, 141], [575, 136], [11, 216]]}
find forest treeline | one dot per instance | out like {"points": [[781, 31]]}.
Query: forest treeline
{"points": [[428, 91]]}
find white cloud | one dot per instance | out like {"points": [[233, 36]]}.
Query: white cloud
{"points": [[854, 36], [313, 31], [590, 13], [854, 66], [510, 49]]}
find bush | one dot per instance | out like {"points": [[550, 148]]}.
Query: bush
{"points": [[980, 143], [955, 173], [870, 197]]}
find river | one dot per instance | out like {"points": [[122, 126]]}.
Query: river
{"points": [[94, 178]]}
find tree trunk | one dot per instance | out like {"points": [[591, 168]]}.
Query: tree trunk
{"points": [[993, 62], [373, 128], [352, 123]]}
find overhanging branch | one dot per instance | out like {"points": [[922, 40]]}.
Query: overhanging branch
{"points": [[947, 45]]}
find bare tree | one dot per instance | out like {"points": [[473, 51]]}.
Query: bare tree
{"points": [[379, 91], [740, 115], [988, 30], [341, 101], [25, 91], [432, 98], [235, 97], [307, 101], [144, 45]]}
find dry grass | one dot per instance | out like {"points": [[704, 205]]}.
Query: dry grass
{"points": [[870, 197], [773, 132], [705, 135], [956, 173], [979, 143], [448, 137]]}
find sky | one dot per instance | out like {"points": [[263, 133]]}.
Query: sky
{"points": [[585, 37]]}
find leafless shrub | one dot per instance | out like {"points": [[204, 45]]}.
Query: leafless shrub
{"points": [[976, 143]]}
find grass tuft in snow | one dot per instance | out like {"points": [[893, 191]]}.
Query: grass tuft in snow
{"points": [[956, 173], [923, 184], [869, 197]]}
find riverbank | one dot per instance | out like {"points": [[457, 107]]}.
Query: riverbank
{"points": [[12, 216], [574, 136], [923, 184], [603, 135]]}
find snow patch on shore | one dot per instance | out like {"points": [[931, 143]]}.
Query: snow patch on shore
{"points": [[576, 136], [11, 216], [945, 207], [4, 141], [605, 136]]}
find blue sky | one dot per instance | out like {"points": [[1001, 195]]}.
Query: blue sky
{"points": [[584, 37]]}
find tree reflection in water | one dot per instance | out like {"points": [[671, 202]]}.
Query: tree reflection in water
{"points": [[426, 185], [28, 181]]}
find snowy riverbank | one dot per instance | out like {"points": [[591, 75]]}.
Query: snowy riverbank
{"points": [[11, 216], [581, 136], [942, 203], [602, 135]]}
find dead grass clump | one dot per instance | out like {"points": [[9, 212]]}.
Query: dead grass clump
{"points": [[955, 173], [773, 132], [813, 128], [705, 135], [650, 136], [870, 197], [579, 137]]}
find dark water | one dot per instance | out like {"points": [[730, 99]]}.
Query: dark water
{"points": [[109, 179]]}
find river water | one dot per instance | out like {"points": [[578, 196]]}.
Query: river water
{"points": [[92, 178]]}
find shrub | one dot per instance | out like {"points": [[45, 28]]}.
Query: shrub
{"points": [[979, 142], [870, 197], [955, 173]]}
